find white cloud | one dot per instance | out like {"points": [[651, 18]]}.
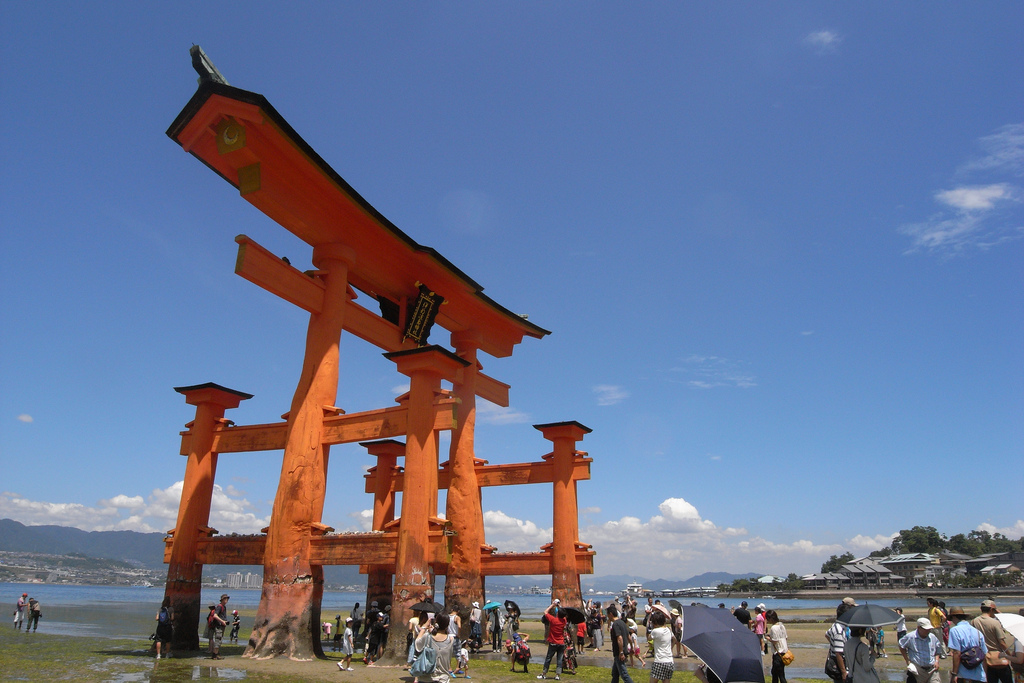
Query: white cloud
{"points": [[977, 216], [509, 534], [364, 520], [1015, 531], [24, 418], [861, 544], [823, 41], [158, 512], [609, 394], [1004, 152], [975, 198], [492, 414], [709, 372]]}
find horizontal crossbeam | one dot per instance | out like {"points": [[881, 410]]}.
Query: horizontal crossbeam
{"points": [[386, 423], [346, 549], [495, 475]]}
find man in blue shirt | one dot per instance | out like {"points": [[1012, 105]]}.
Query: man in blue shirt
{"points": [[961, 637], [920, 650]]}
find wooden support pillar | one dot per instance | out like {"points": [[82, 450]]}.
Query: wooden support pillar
{"points": [[463, 582], [378, 577], [286, 620], [414, 577], [184, 572], [565, 583]]}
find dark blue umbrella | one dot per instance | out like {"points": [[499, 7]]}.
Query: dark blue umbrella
{"points": [[868, 616], [734, 655], [701, 619]]}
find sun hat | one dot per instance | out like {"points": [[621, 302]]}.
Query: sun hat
{"points": [[925, 623], [956, 612], [476, 604]]}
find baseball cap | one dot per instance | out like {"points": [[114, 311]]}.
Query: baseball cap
{"points": [[925, 623], [988, 603], [849, 601]]}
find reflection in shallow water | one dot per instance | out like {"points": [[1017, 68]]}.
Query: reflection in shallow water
{"points": [[171, 672]]}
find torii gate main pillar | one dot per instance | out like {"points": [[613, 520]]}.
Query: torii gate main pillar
{"points": [[565, 578], [463, 584], [289, 611], [184, 572], [414, 577]]}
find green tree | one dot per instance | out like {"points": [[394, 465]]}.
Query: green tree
{"points": [[833, 563], [920, 539]]}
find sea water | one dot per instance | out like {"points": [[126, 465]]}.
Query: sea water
{"points": [[130, 612]]}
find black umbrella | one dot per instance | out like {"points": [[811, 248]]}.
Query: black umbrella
{"points": [[573, 615], [699, 619], [512, 607], [675, 604], [427, 606], [868, 616], [733, 655]]}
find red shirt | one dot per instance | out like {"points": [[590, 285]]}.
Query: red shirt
{"points": [[556, 630]]}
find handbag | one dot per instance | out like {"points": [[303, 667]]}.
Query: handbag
{"points": [[832, 666], [788, 657], [425, 660], [996, 658]]}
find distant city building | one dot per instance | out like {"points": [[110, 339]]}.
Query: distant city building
{"points": [[247, 580]]}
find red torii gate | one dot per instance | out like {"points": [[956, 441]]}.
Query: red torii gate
{"points": [[241, 137]]}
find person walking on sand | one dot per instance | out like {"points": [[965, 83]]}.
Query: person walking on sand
{"points": [[760, 626], [963, 637], [164, 627], [836, 664], [997, 644], [434, 633], [661, 635], [34, 612], [217, 621], [619, 635], [779, 641], [920, 651], [347, 646], [936, 616], [860, 664], [19, 612]]}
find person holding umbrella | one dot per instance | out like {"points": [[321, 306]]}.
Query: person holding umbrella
{"points": [[779, 640], [920, 651]]}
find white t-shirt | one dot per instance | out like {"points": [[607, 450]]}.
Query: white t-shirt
{"points": [[778, 636], [662, 637]]}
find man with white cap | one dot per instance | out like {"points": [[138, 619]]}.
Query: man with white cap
{"points": [[920, 651]]}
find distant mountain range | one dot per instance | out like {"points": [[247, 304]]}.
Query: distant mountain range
{"points": [[147, 550]]}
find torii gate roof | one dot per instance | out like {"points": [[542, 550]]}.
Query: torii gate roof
{"points": [[287, 180]]}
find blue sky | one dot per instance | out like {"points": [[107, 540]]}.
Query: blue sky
{"points": [[778, 246]]}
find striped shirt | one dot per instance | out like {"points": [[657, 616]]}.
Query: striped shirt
{"points": [[921, 651], [836, 638]]}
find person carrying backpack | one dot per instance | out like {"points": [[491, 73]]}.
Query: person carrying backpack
{"points": [[217, 621], [967, 646], [164, 627]]}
